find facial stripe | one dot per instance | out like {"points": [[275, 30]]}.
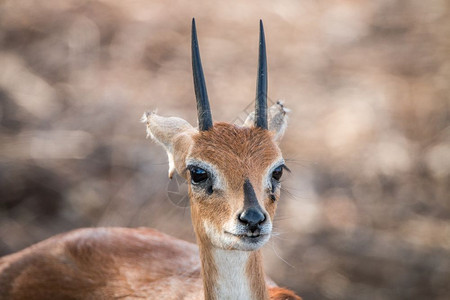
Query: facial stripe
{"points": [[250, 198]]}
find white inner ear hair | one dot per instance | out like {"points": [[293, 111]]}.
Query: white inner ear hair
{"points": [[146, 119]]}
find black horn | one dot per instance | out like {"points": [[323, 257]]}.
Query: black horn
{"points": [[203, 110], [261, 82]]}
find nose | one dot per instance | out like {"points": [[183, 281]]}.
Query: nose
{"points": [[252, 217]]}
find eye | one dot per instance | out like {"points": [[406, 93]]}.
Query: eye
{"points": [[198, 175], [277, 173]]}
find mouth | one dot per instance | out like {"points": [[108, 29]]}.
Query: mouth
{"points": [[252, 237]]}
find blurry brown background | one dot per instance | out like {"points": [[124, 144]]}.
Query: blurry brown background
{"points": [[365, 213]]}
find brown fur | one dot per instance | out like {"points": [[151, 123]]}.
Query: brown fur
{"points": [[101, 263], [209, 272], [256, 274], [143, 263], [240, 153], [106, 263], [277, 293]]}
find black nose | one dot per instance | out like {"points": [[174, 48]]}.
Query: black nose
{"points": [[252, 217]]}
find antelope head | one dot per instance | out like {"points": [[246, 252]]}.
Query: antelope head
{"points": [[233, 171]]}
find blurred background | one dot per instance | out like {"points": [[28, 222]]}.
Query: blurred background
{"points": [[365, 213]]}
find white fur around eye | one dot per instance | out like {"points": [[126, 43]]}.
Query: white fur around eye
{"points": [[267, 179], [218, 180]]}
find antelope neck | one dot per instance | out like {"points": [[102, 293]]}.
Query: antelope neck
{"points": [[232, 274]]}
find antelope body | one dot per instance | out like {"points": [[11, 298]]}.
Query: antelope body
{"points": [[233, 174]]}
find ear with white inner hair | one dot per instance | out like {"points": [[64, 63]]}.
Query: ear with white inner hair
{"points": [[278, 118], [174, 134]]}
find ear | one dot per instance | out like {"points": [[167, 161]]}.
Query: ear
{"points": [[174, 134], [278, 118]]}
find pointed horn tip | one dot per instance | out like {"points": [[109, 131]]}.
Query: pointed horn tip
{"points": [[262, 37], [194, 34], [193, 25]]}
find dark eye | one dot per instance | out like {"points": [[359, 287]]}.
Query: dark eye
{"points": [[277, 173], [198, 175]]}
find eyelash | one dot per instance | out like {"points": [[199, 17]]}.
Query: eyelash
{"points": [[198, 175], [278, 172], [275, 178]]}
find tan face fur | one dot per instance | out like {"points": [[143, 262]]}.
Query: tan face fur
{"points": [[231, 155], [239, 161]]}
